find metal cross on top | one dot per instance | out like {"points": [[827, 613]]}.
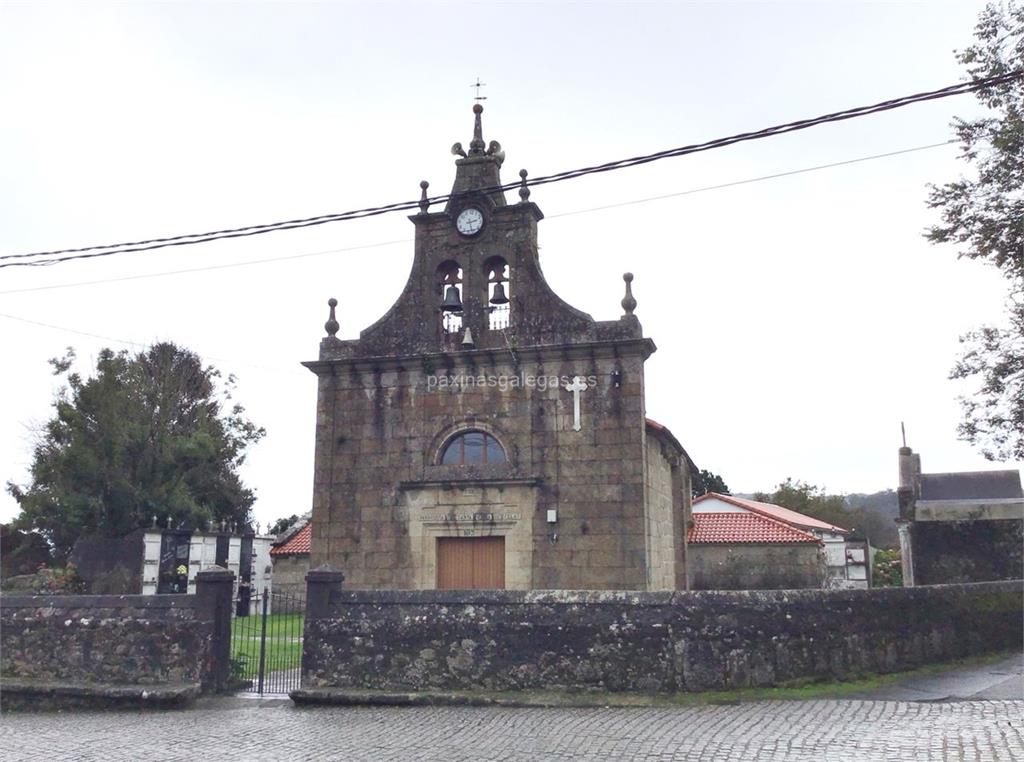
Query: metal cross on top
{"points": [[478, 85], [578, 385]]}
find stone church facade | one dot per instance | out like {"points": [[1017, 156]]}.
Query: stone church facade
{"points": [[485, 434]]}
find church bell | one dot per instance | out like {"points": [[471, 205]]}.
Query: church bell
{"points": [[498, 297], [452, 301]]}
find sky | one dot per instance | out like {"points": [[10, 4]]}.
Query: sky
{"points": [[798, 319]]}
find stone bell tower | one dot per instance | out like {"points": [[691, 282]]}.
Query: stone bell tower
{"points": [[484, 433]]}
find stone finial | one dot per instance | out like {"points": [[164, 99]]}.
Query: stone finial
{"points": [[424, 203], [331, 326], [524, 191], [628, 302], [477, 145]]}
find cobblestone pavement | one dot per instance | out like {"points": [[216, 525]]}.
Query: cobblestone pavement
{"points": [[820, 731]]}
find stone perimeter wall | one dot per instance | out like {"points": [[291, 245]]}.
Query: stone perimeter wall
{"points": [[119, 639], [756, 567], [621, 641]]}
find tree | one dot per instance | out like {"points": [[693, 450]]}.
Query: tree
{"points": [[282, 524], [148, 437], [706, 482], [810, 501], [866, 515], [993, 417], [984, 215]]}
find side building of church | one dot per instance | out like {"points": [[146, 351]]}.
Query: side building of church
{"points": [[485, 434]]}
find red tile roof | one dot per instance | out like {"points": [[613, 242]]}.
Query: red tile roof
{"points": [[774, 512], [297, 544], [662, 431], [743, 529]]}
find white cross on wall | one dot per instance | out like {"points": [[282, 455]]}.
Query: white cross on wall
{"points": [[578, 385]]}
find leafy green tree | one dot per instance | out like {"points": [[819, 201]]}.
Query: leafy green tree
{"points": [[706, 482], [993, 416], [810, 501], [282, 524], [147, 436], [984, 215], [866, 515]]}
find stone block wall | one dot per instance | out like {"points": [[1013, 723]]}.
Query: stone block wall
{"points": [[623, 641], [967, 551], [665, 522], [290, 574], [756, 567], [381, 497], [119, 639]]}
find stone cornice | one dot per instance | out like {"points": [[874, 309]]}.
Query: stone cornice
{"points": [[991, 509], [508, 481], [484, 357]]}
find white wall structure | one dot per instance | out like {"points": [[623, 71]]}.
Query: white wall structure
{"points": [[262, 568], [151, 561], [203, 555]]}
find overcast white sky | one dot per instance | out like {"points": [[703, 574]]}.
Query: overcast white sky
{"points": [[798, 320]]}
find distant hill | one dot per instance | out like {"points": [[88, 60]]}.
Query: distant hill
{"points": [[884, 502]]}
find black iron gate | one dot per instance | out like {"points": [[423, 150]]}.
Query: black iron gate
{"points": [[266, 642]]}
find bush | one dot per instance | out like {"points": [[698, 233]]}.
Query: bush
{"points": [[47, 581], [887, 570]]}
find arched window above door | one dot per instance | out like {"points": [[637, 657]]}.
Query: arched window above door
{"points": [[472, 448]]}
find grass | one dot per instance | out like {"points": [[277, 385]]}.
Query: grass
{"points": [[283, 643]]}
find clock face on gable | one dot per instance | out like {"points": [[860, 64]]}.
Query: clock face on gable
{"points": [[470, 221]]}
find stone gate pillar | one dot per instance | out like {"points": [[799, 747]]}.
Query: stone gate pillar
{"points": [[214, 589], [320, 583]]}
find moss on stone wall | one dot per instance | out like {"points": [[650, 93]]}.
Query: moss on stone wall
{"points": [[652, 642]]}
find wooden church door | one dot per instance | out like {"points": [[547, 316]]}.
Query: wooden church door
{"points": [[470, 563]]}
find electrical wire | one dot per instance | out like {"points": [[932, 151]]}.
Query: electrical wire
{"points": [[72, 330], [225, 266], [273, 368], [87, 252], [746, 181], [633, 202]]}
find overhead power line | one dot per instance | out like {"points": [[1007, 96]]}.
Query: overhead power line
{"points": [[289, 257], [747, 181], [130, 343], [45, 258]]}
